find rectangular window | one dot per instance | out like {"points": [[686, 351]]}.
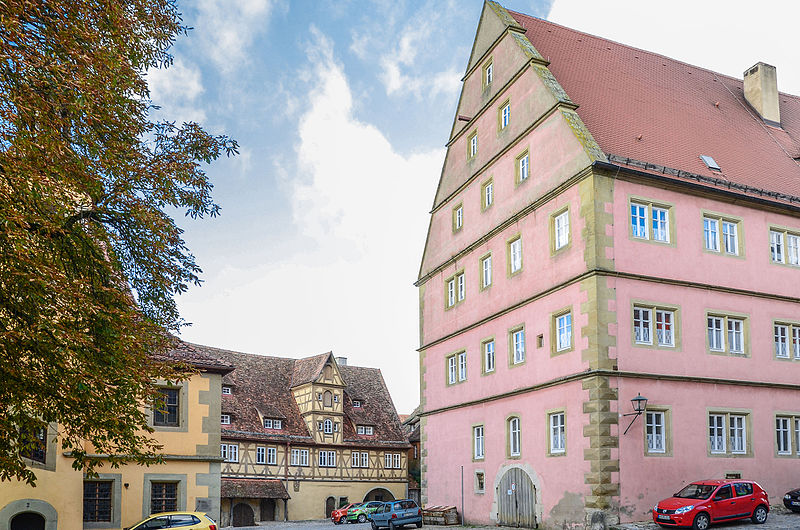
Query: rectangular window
{"points": [[267, 423], [716, 433], [793, 249], [738, 434], [272, 456], [787, 340], [356, 404], [387, 461], [518, 345], [727, 433], [488, 356], [487, 195], [276, 424], [711, 234], [452, 374], [523, 167], [368, 430], [726, 334], [776, 246], [650, 221], [397, 460], [715, 334], [458, 218], [472, 145], [167, 408], [783, 436], [451, 292], [513, 437], [226, 390], [163, 497], [488, 74], [261, 455], [479, 482], [299, 457], [391, 460], [515, 255], [360, 429], [642, 325], [735, 335], [97, 501], [462, 287], [462, 366], [561, 230], [327, 459], [660, 218], [477, 442], [655, 430], [505, 115], [486, 272], [225, 419], [796, 341], [664, 327], [229, 452], [364, 459], [558, 443], [730, 237], [456, 289], [355, 459], [563, 332]]}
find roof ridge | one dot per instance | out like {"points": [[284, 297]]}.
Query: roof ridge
{"points": [[631, 47]]}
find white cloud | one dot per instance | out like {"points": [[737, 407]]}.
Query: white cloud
{"points": [[177, 89], [718, 35], [361, 210], [228, 28]]}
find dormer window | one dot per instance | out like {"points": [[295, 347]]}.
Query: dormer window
{"points": [[225, 419], [356, 404], [272, 423], [365, 429], [226, 390]]}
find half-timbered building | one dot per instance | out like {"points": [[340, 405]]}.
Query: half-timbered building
{"points": [[302, 437]]}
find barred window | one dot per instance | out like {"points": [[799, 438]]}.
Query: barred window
{"points": [[166, 410], [163, 497], [97, 501]]}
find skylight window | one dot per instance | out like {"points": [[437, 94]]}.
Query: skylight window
{"points": [[710, 162]]}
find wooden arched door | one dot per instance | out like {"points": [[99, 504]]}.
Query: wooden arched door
{"points": [[516, 500], [27, 521], [243, 515], [330, 505]]}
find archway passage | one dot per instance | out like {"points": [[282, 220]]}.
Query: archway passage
{"points": [[516, 500], [379, 494], [27, 521], [243, 515], [267, 509], [330, 505]]}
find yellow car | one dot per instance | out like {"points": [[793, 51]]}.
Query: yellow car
{"points": [[182, 520]]}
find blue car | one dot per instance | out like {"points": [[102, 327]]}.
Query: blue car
{"points": [[395, 514]]}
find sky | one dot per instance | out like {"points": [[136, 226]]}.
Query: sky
{"points": [[341, 109]]}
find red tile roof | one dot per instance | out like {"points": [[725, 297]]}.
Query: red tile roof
{"points": [[245, 488], [200, 357], [644, 106]]}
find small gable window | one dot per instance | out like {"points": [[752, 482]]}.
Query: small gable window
{"points": [[272, 423], [365, 429], [327, 399], [328, 427], [327, 372], [336, 398], [226, 390], [225, 419], [356, 404]]}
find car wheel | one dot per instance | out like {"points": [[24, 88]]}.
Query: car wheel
{"points": [[362, 518], [419, 524], [760, 515], [701, 522]]}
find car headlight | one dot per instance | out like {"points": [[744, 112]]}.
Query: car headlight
{"points": [[684, 509], [655, 508], [787, 496]]}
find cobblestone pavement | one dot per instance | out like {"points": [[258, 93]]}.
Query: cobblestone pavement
{"points": [[778, 520]]}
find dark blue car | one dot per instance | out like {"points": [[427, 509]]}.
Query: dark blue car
{"points": [[395, 514]]}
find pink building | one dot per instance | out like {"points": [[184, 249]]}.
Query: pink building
{"points": [[608, 223]]}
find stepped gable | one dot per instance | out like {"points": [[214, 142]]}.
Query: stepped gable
{"points": [[377, 408], [641, 105], [261, 384]]}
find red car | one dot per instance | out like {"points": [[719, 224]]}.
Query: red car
{"points": [[337, 516], [707, 502]]}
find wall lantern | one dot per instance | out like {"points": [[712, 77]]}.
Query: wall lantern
{"points": [[639, 405]]}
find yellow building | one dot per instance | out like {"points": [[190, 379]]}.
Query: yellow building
{"points": [[189, 478], [302, 437]]}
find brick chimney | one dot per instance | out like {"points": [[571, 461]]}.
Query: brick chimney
{"points": [[761, 91]]}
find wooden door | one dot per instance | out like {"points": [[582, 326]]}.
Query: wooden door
{"points": [[243, 515], [330, 505], [516, 500], [267, 509]]}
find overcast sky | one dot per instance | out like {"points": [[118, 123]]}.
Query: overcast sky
{"points": [[342, 109]]}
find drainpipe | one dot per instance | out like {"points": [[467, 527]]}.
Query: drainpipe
{"points": [[286, 479], [462, 495]]}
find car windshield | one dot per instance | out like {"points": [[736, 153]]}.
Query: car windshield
{"points": [[696, 491]]}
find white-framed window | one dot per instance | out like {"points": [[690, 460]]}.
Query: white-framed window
{"points": [[267, 423], [711, 234], [486, 272], [276, 424], [642, 325], [558, 434], [488, 74], [327, 459], [727, 433], [225, 419], [359, 429], [360, 459], [451, 292], [452, 370], [730, 237], [368, 430], [561, 230], [793, 249], [229, 452], [665, 327], [356, 404], [488, 194], [299, 457], [787, 340], [391, 460], [336, 398], [518, 345], [458, 217], [513, 436], [462, 366], [456, 289], [783, 435], [649, 221], [261, 455], [655, 429], [726, 334], [462, 287], [654, 323], [365, 459], [776, 246], [564, 331], [272, 456], [784, 246], [477, 442], [523, 167], [396, 459], [226, 390], [319, 425], [472, 145], [505, 115], [515, 255], [327, 426], [488, 356]]}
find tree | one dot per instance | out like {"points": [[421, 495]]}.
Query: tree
{"points": [[90, 258]]}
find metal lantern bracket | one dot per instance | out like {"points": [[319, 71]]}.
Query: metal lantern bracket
{"points": [[639, 405]]}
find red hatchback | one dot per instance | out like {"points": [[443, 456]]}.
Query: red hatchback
{"points": [[706, 502], [337, 516]]}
